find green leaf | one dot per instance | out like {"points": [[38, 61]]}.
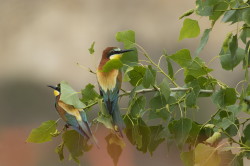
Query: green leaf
{"points": [[224, 97], [91, 49], [159, 107], [105, 120], [127, 38], [145, 133], [206, 155], [233, 16], [70, 96], [224, 123], [75, 144], [246, 132], [164, 89], [130, 125], [205, 8], [89, 95], [197, 68], [246, 60], [136, 75], [114, 147], [194, 133], [43, 132], [155, 138], [182, 57], [245, 33], [225, 45], [137, 106], [233, 45], [246, 16], [229, 16], [187, 158], [149, 77], [130, 58], [187, 13], [170, 68], [137, 132], [192, 96], [218, 10], [190, 29], [191, 100], [203, 41], [180, 130], [59, 151], [126, 76], [229, 62], [137, 136], [112, 64]]}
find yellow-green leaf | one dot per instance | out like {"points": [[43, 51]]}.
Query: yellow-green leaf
{"points": [[91, 49], [182, 57], [59, 151], [75, 144], [187, 158], [43, 132], [206, 155], [180, 129], [70, 96], [190, 29], [114, 147], [112, 64], [127, 37]]}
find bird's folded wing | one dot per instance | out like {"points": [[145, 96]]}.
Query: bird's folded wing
{"points": [[71, 110]]}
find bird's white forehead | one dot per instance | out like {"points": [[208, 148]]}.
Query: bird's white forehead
{"points": [[117, 49]]}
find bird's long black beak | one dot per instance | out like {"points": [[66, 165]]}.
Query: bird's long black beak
{"points": [[123, 51], [53, 87]]}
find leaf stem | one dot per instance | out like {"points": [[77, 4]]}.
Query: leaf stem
{"points": [[232, 139]]}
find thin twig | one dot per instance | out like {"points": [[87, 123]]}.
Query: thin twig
{"points": [[156, 65], [90, 105], [86, 68]]}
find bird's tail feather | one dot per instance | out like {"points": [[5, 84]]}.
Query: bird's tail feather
{"points": [[118, 121]]}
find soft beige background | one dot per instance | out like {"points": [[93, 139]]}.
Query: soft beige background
{"points": [[40, 43]]}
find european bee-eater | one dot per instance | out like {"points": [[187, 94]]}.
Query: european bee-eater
{"points": [[74, 117], [110, 84]]}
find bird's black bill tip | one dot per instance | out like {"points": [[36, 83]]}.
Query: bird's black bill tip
{"points": [[53, 87], [124, 51]]}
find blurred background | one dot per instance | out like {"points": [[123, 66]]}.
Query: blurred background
{"points": [[40, 43]]}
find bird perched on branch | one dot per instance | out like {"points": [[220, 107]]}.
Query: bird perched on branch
{"points": [[110, 84], [74, 117]]}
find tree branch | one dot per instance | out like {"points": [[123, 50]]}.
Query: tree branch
{"points": [[240, 8], [171, 89]]}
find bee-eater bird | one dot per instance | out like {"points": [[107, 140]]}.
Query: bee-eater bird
{"points": [[74, 117], [110, 84]]}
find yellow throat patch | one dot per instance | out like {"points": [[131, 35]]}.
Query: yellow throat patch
{"points": [[115, 56], [56, 93]]}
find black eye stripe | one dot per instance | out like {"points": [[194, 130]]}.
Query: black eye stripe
{"points": [[113, 52]]}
